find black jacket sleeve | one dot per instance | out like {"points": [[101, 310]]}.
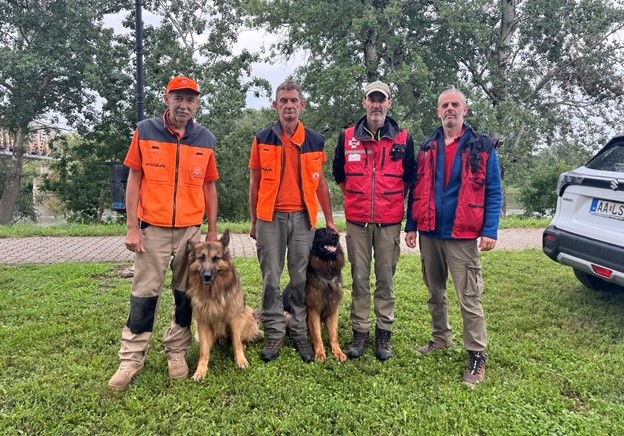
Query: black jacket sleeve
{"points": [[338, 164]]}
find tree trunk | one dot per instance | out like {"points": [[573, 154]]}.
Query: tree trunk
{"points": [[14, 179]]}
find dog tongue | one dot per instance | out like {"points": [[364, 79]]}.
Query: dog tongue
{"points": [[330, 248]]}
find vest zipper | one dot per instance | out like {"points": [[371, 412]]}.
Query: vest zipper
{"points": [[175, 183]]}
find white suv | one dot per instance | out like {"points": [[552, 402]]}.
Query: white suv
{"points": [[587, 231]]}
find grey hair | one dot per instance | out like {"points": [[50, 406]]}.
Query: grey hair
{"points": [[450, 90]]}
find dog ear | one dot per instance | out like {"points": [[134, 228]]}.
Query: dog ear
{"points": [[225, 238], [190, 249]]}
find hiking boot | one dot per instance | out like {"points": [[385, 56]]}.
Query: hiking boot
{"points": [[358, 344], [431, 347], [122, 378], [303, 348], [382, 344], [176, 364], [476, 367], [271, 349]]}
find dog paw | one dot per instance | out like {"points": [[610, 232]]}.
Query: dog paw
{"points": [[341, 357], [320, 356], [198, 376], [242, 363]]}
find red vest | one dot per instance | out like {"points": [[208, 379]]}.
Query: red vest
{"points": [[470, 207], [374, 189]]}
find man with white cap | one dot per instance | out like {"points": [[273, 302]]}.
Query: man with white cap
{"points": [[373, 166], [171, 187]]}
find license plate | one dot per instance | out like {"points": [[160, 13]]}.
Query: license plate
{"points": [[608, 209]]}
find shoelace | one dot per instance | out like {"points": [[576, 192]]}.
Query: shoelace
{"points": [[302, 345], [476, 361], [273, 343], [176, 360], [125, 369]]}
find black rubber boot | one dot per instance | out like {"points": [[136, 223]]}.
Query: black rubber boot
{"points": [[358, 344], [382, 344]]}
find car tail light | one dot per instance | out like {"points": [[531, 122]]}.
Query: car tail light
{"points": [[549, 241], [602, 271]]}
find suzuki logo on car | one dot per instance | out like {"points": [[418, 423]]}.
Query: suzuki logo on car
{"points": [[615, 184]]}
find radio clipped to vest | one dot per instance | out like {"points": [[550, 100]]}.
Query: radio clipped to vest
{"points": [[397, 152]]}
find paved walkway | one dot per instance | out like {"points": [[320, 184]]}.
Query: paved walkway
{"points": [[45, 250]]}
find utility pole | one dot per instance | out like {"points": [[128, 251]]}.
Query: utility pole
{"points": [[139, 61]]}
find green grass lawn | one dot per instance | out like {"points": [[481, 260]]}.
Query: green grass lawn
{"points": [[555, 365]]}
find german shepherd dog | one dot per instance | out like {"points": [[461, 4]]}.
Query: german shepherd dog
{"points": [[323, 291], [218, 303]]}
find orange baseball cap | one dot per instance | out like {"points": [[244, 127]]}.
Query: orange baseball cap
{"points": [[181, 82]]}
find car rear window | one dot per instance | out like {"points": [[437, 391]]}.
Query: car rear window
{"points": [[611, 160]]}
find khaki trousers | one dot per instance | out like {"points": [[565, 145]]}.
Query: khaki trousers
{"points": [[164, 247], [461, 257], [361, 243]]}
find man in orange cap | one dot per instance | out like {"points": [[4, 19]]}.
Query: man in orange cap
{"points": [[171, 187]]}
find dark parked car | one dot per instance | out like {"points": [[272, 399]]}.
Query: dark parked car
{"points": [[587, 231]]}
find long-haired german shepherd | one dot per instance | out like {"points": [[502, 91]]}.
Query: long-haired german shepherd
{"points": [[323, 291], [218, 302]]}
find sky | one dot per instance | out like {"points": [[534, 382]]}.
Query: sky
{"points": [[252, 40]]}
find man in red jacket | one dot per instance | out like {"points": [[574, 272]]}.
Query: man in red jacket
{"points": [[373, 166], [455, 206]]}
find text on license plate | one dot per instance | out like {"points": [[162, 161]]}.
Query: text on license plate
{"points": [[609, 209]]}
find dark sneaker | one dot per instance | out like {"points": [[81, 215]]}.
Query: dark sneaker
{"points": [[358, 344], [382, 344], [271, 349], [431, 347], [303, 348], [476, 367]]}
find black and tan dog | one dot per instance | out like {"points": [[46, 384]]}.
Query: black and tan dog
{"points": [[218, 303], [323, 291]]}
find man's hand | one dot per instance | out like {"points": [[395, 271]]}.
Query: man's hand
{"points": [[410, 239], [252, 230], [486, 244], [332, 225], [211, 235], [134, 240]]}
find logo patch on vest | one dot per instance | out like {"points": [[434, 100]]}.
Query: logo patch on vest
{"points": [[196, 173], [353, 143], [316, 176]]}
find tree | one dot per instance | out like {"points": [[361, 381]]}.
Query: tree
{"points": [[48, 51], [349, 43], [537, 73], [543, 72], [193, 38], [25, 204], [78, 177], [232, 160]]}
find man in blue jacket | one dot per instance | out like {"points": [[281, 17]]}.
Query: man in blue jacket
{"points": [[455, 205]]}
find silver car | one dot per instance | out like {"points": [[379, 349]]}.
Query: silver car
{"points": [[587, 230]]}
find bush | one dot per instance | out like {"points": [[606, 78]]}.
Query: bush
{"points": [[538, 195]]}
